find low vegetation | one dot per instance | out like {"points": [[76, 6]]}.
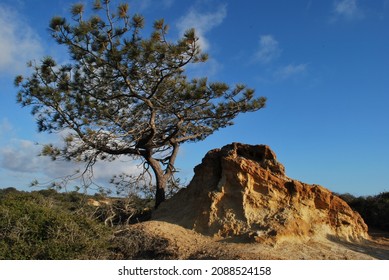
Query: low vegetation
{"points": [[48, 225], [51, 225], [373, 209]]}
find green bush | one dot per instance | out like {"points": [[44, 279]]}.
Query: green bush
{"points": [[373, 209], [49, 225]]}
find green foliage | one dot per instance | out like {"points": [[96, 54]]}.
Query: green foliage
{"points": [[48, 225], [373, 209]]}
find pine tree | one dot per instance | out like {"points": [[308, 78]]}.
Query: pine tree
{"points": [[123, 94]]}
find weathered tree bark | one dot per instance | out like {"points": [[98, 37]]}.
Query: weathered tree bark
{"points": [[162, 176], [160, 179], [160, 193]]}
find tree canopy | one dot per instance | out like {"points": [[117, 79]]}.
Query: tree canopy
{"points": [[124, 94]]}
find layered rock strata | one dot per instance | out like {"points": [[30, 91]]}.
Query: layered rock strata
{"points": [[241, 191]]}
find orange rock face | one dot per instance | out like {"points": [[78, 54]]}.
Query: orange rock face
{"points": [[242, 191]]}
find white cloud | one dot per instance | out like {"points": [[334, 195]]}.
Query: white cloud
{"points": [[268, 49], [21, 158], [202, 22], [291, 70], [104, 170], [347, 9], [19, 43]]}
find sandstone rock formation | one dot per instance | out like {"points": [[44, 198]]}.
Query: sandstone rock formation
{"points": [[241, 191]]}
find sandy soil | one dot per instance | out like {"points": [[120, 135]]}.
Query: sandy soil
{"points": [[181, 243]]}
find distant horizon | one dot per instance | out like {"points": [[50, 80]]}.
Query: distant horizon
{"points": [[322, 65]]}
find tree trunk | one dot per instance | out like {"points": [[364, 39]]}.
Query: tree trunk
{"points": [[161, 176], [160, 192], [160, 180]]}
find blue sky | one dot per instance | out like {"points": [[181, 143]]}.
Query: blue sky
{"points": [[323, 65]]}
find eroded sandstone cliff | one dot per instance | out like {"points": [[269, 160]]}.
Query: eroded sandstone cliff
{"points": [[241, 191]]}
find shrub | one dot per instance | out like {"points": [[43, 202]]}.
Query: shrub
{"points": [[373, 209], [40, 225]]}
